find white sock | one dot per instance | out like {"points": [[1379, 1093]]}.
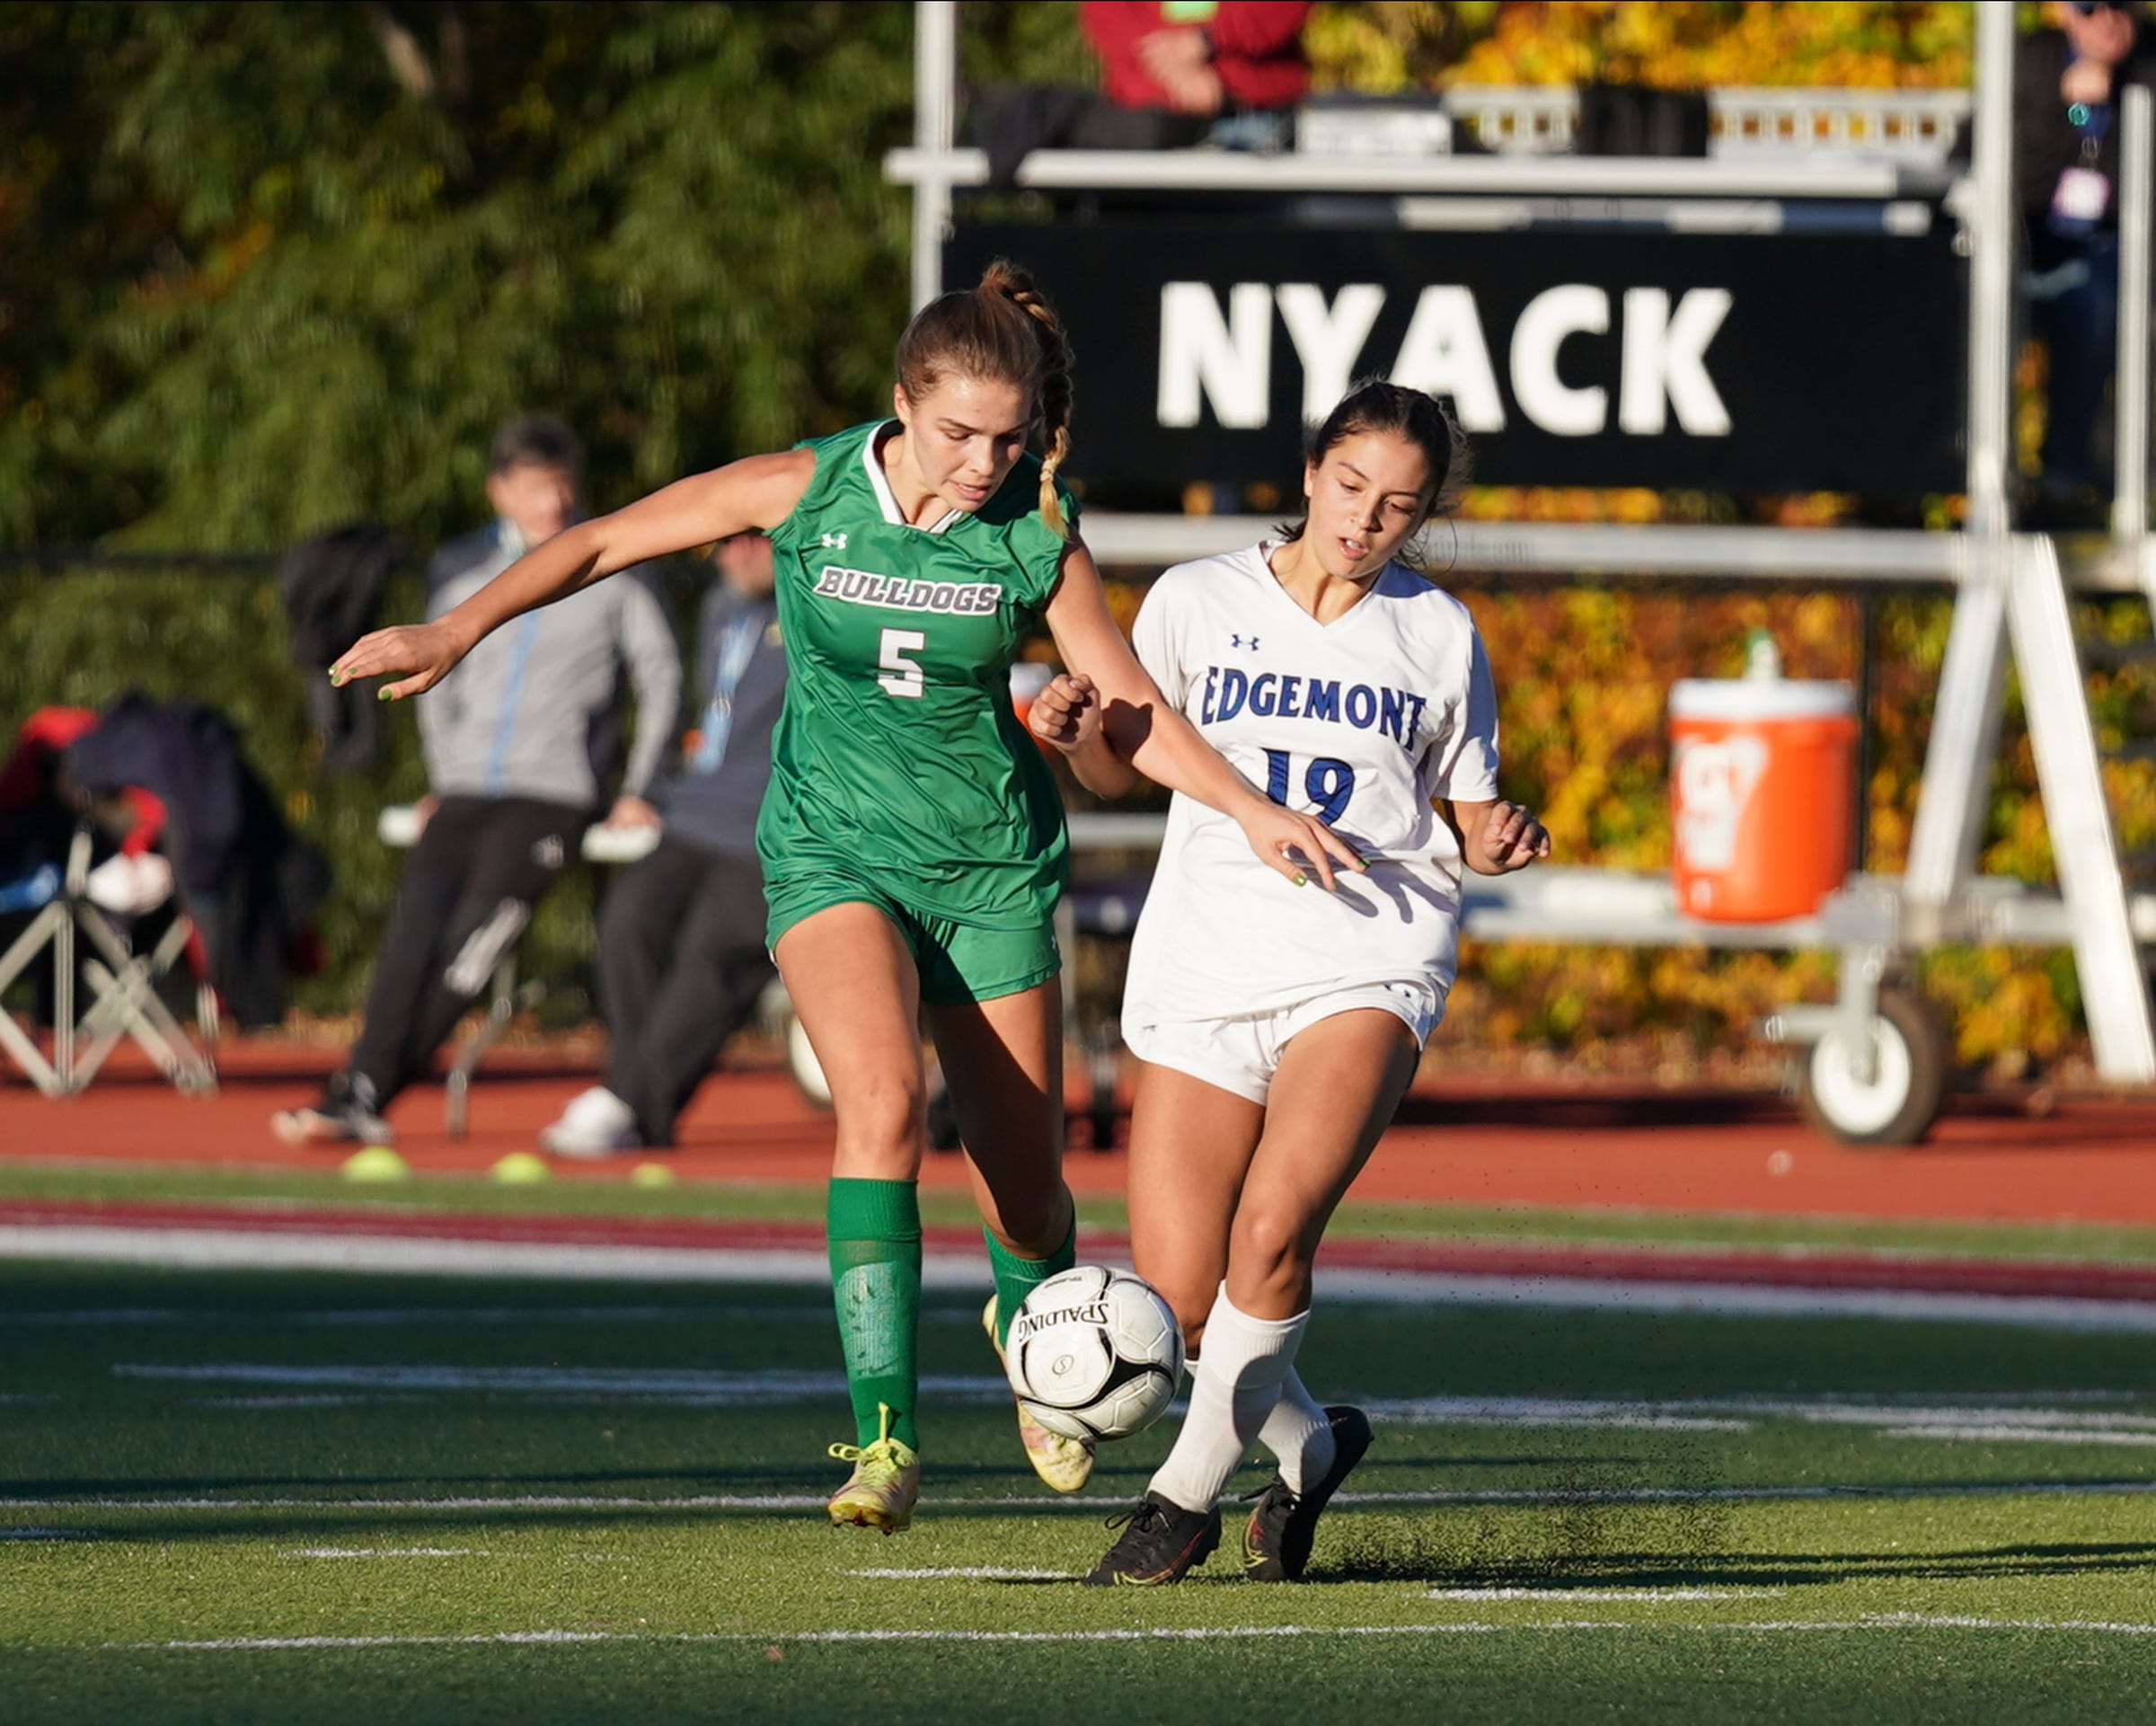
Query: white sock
{"points": [[1298, 1435], [1233, 1390]]}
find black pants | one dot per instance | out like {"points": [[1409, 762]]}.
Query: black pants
{"points": [[682, 961], [480, 866]]}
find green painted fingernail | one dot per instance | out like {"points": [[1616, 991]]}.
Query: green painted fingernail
{"points": [[1302, 881], [383, 694], [336, 677]]}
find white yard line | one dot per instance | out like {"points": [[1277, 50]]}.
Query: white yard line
{"points": [[779, 1638], [389, 1317], [968, 1573], [1037, 1503], [267, 1249], [1646, 1596], [285, 1386]]}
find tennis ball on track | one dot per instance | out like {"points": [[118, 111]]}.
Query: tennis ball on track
{"points": [[650, 1175], [375, 1163], [520, 1169]]}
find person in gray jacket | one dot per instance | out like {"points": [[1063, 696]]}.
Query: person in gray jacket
{"points": [[519, 743], [682, 954]]}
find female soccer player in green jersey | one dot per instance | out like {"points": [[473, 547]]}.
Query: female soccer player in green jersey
{"points": [[911, 840]]}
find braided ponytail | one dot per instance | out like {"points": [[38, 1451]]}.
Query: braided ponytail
{"points": [[1054, 379], [1000, 329]]}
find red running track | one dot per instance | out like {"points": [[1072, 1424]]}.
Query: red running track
{"points": [[2087, 1159]]}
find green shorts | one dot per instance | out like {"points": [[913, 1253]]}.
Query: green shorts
{"points": [[957, 962]]}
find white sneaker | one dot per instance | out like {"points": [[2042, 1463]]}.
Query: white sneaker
{"points": [[596, 1123]]}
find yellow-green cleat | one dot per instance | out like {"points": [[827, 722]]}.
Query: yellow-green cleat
{"points": [[1064, 1464], [884, 1486]]}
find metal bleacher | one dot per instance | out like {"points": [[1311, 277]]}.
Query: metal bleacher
{"points": [[1893, 161]]}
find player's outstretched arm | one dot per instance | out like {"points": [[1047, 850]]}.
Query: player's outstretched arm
{"points": [[1498, 837], [1148, 732], [1067, 716], [759, 492]]}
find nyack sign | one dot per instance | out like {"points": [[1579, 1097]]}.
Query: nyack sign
{"points": [[1823, 356]]}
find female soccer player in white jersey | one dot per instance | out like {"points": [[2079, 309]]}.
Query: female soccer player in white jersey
{"points": [[1278, 1030]]}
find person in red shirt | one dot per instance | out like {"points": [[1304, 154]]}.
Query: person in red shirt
{"points": [[1173, 73], [1203, 59]]}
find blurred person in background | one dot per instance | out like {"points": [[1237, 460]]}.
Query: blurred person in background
{"points": [[1174, 73], [1229, 71], [2068, 83], [519, 744], [682, 956]]}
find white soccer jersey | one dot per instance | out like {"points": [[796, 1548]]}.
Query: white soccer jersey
{"points": [[1362, 722]]}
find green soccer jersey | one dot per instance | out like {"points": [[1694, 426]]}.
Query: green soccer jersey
{"points": [[899, 760]]}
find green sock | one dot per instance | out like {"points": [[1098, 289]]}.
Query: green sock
{"points": [[1015, 1277], [873, 1229]]}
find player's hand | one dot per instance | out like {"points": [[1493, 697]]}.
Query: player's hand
{"points": [[1509, 838], [1066, 713], [418, 655], [1297, 846]]}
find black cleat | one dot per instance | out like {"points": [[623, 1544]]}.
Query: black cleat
{"points": [[1277, 1541], [1159, 1543]]}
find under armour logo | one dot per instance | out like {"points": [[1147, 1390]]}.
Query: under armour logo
{"points": [[1238, 641], [835, 542], [550, 853]]}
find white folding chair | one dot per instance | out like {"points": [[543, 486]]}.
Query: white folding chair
{"points": [[123, 985]]}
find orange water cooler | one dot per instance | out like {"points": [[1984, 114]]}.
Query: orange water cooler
{"points": [[1760, 781]]}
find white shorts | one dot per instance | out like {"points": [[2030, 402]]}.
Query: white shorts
{"points": [[1241, 1054]]}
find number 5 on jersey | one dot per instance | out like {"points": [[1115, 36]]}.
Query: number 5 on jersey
{"points": [[901, 676]]}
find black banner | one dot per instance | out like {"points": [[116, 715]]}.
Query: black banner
{"points": [[1743, 363]]}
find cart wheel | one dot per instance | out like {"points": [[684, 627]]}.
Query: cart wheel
{"points": [[807, 1070], [1897, 1105]]}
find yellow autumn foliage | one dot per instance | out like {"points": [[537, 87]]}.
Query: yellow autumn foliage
{"points": [[1383, 45]]}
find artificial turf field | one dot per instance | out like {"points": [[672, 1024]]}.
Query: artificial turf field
{"points": [[248, 1495]]}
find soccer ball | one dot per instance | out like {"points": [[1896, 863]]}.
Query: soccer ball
{"points": [[1095, 1353]]}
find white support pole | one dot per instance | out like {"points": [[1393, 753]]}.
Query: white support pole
{"points": [[935, 131], [2130, 498], [1991, 274], [2115, 994], [1965, 727]]}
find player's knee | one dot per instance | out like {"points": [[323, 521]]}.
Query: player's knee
{"points": [[882, 1114], [1270, 1248]]}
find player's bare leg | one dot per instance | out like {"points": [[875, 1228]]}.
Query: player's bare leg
{"points": [[1002, 1061], [1190, 1146], [1334, 1093], [854, 986], [1312, 1151], [1249, 1190]]}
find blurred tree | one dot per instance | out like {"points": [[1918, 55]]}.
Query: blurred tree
{"points": [[270, 268], [266, 269]]}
